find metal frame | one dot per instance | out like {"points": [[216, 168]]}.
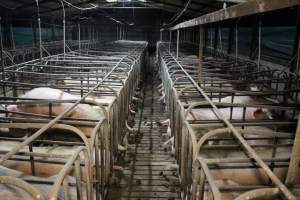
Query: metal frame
{"points": [[183, 94], [111, 70]]}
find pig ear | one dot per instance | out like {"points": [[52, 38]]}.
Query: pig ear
{"points": [[260, 114]]}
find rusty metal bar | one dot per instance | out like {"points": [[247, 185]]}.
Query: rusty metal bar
{"points": [[23, 185], [250, 7], [201, 46]]}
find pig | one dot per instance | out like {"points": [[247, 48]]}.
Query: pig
{"points": [[84, 111]]}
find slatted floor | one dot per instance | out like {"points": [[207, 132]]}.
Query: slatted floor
{"points": [[145, 175]]}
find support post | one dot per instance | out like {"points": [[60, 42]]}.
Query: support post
{"points": [[170, 41], [259, 44], [160, 35], [216, 38], [34, 33], [236, 42], [79, 42], [2, 58], [294, 65], [64, 26], [230, 39], [12, 35], [40, 31], [201, 46], [177, 47], [53, 30], [297, 68]]}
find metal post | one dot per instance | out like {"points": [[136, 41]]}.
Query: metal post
{"points": [[201, 45], [64, 26], [160, 36], [259, 45], [90, 33], [298, 59], [170, 41], [53, 30], [117, 32], [79, 42], [236, 42], [40, 31], [34, 32], [2, 57], [12, 35], [177, 47]]}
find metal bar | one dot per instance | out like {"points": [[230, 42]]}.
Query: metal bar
{"points": [[177, 45], [170, 41], [64, 27], [40, 31], [79, 42], [201, 46], [2, 57]]}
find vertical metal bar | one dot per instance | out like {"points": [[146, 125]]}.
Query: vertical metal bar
{"points": [[34, 32], [295, 158], [79, 42], [78, 179], [170, 41], [236, 42], [259, 44], [298, 58], [2, 57], [12, 35], [230, 39], [40, 31], [66, 188], [177, 45], [2, 60], [220, 39], [64, 27], [52, 30], [31, 160], [160, 36], [201, 45]]}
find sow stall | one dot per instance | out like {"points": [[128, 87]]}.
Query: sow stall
{"points": [[233, 127], [53, 144]]}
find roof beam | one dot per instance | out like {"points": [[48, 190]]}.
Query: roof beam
{"points": [[243, 9]]}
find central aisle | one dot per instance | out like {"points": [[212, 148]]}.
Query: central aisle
{"points": [[146, 174]]}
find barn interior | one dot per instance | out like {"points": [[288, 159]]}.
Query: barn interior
{"points": [[149, 99]]}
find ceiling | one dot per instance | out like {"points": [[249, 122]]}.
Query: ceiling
{"points": [[76, 9]]}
